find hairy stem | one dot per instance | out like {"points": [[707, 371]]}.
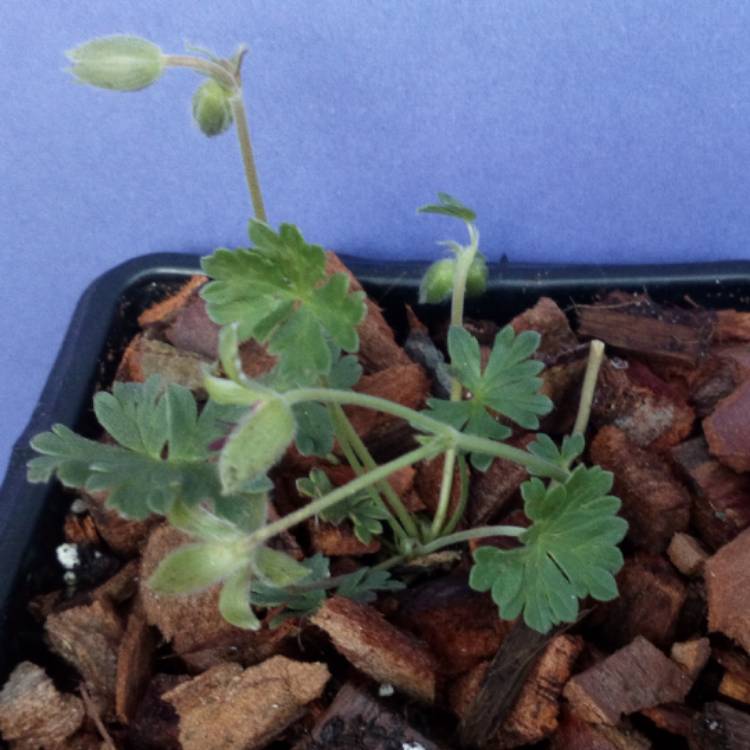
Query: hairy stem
{"points": [[463, 473], [422, 422], [341, 493], [230, 78], [460, 275], [480, 532], [349, 453], [248, 159], [401, 511], [596, 355]]}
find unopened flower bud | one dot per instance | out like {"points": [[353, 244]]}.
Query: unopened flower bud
{"points": [[211, 107], [120, 63], [437, 283], [476, 279]]}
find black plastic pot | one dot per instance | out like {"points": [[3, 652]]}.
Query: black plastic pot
{"points": [[105, 319]]}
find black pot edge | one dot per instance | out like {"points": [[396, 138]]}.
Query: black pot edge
{"points": [[67, 394]]}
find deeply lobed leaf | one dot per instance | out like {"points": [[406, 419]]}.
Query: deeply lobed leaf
{"points": [[278, 293], [508, 385], [161, 455], [568, 553]]}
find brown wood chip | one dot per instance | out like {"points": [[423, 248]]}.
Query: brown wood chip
{"points": [[460, 625], [654, 503], [33, 713], [227, 707], [546, 318], [357, 720], [722, 503], [727, 576], [88, 638], [134, 663], [636, 324], [377, 648], [727, 429], [338, 540], [535, 711], [692, 656], [720, 727], [687, 554], [162, 312], [637, 676], [651, 599], [575, 734]]}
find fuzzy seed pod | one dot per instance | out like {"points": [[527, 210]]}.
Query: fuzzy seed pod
{"points": [[119, 63]]}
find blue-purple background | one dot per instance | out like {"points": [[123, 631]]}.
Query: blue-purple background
{"points": [[580, 130]]}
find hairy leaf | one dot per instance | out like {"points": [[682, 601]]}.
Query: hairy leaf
{"points": [[508, 385], [362, 584], [568, 553], [278, 293], [544, 447], [314, 429], [160, 456]]}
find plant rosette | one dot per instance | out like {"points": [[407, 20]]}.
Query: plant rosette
{"points": [[232, 467]]}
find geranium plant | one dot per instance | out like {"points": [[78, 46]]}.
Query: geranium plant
{"points": [[204, 466]]}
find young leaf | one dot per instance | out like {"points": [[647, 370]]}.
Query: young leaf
{"points": [[279, 293], [314, 429], [161, 455], [296, 603], [363, 510], [508, 386], [362, 584], [544, 447], [449, 206], [568, 553], [255, 445]]}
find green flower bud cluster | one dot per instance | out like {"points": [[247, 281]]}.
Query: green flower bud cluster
{"points": [[212, 108], [437, 283]]}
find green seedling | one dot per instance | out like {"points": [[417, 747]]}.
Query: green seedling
{"points": [[204, 466]]}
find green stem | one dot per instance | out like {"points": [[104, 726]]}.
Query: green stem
{"points": [[432, 448], [463, 263], [248, 159], [231, 80], [420, 421], [596, 355], [463, 473], [346, 447], [401, 511], [205, 67], [419, 551], [465, 536]]}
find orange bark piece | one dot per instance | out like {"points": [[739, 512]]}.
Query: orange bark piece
{"points": [[727, 429], [338, 540], [692, 656], [687, 554], [575, 734], [377, 648], [164, 311], [134, 659]]}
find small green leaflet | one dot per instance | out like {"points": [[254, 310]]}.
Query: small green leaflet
{"points": [[363, 509], [449, 206], [544, 447], [568, 553], [279, 293], [299, 601], [147, 420], [508, 385]]}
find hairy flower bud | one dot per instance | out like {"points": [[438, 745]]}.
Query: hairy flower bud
{"points": [[120, 63], [476, 279], [437, 283], [211, 108]]}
